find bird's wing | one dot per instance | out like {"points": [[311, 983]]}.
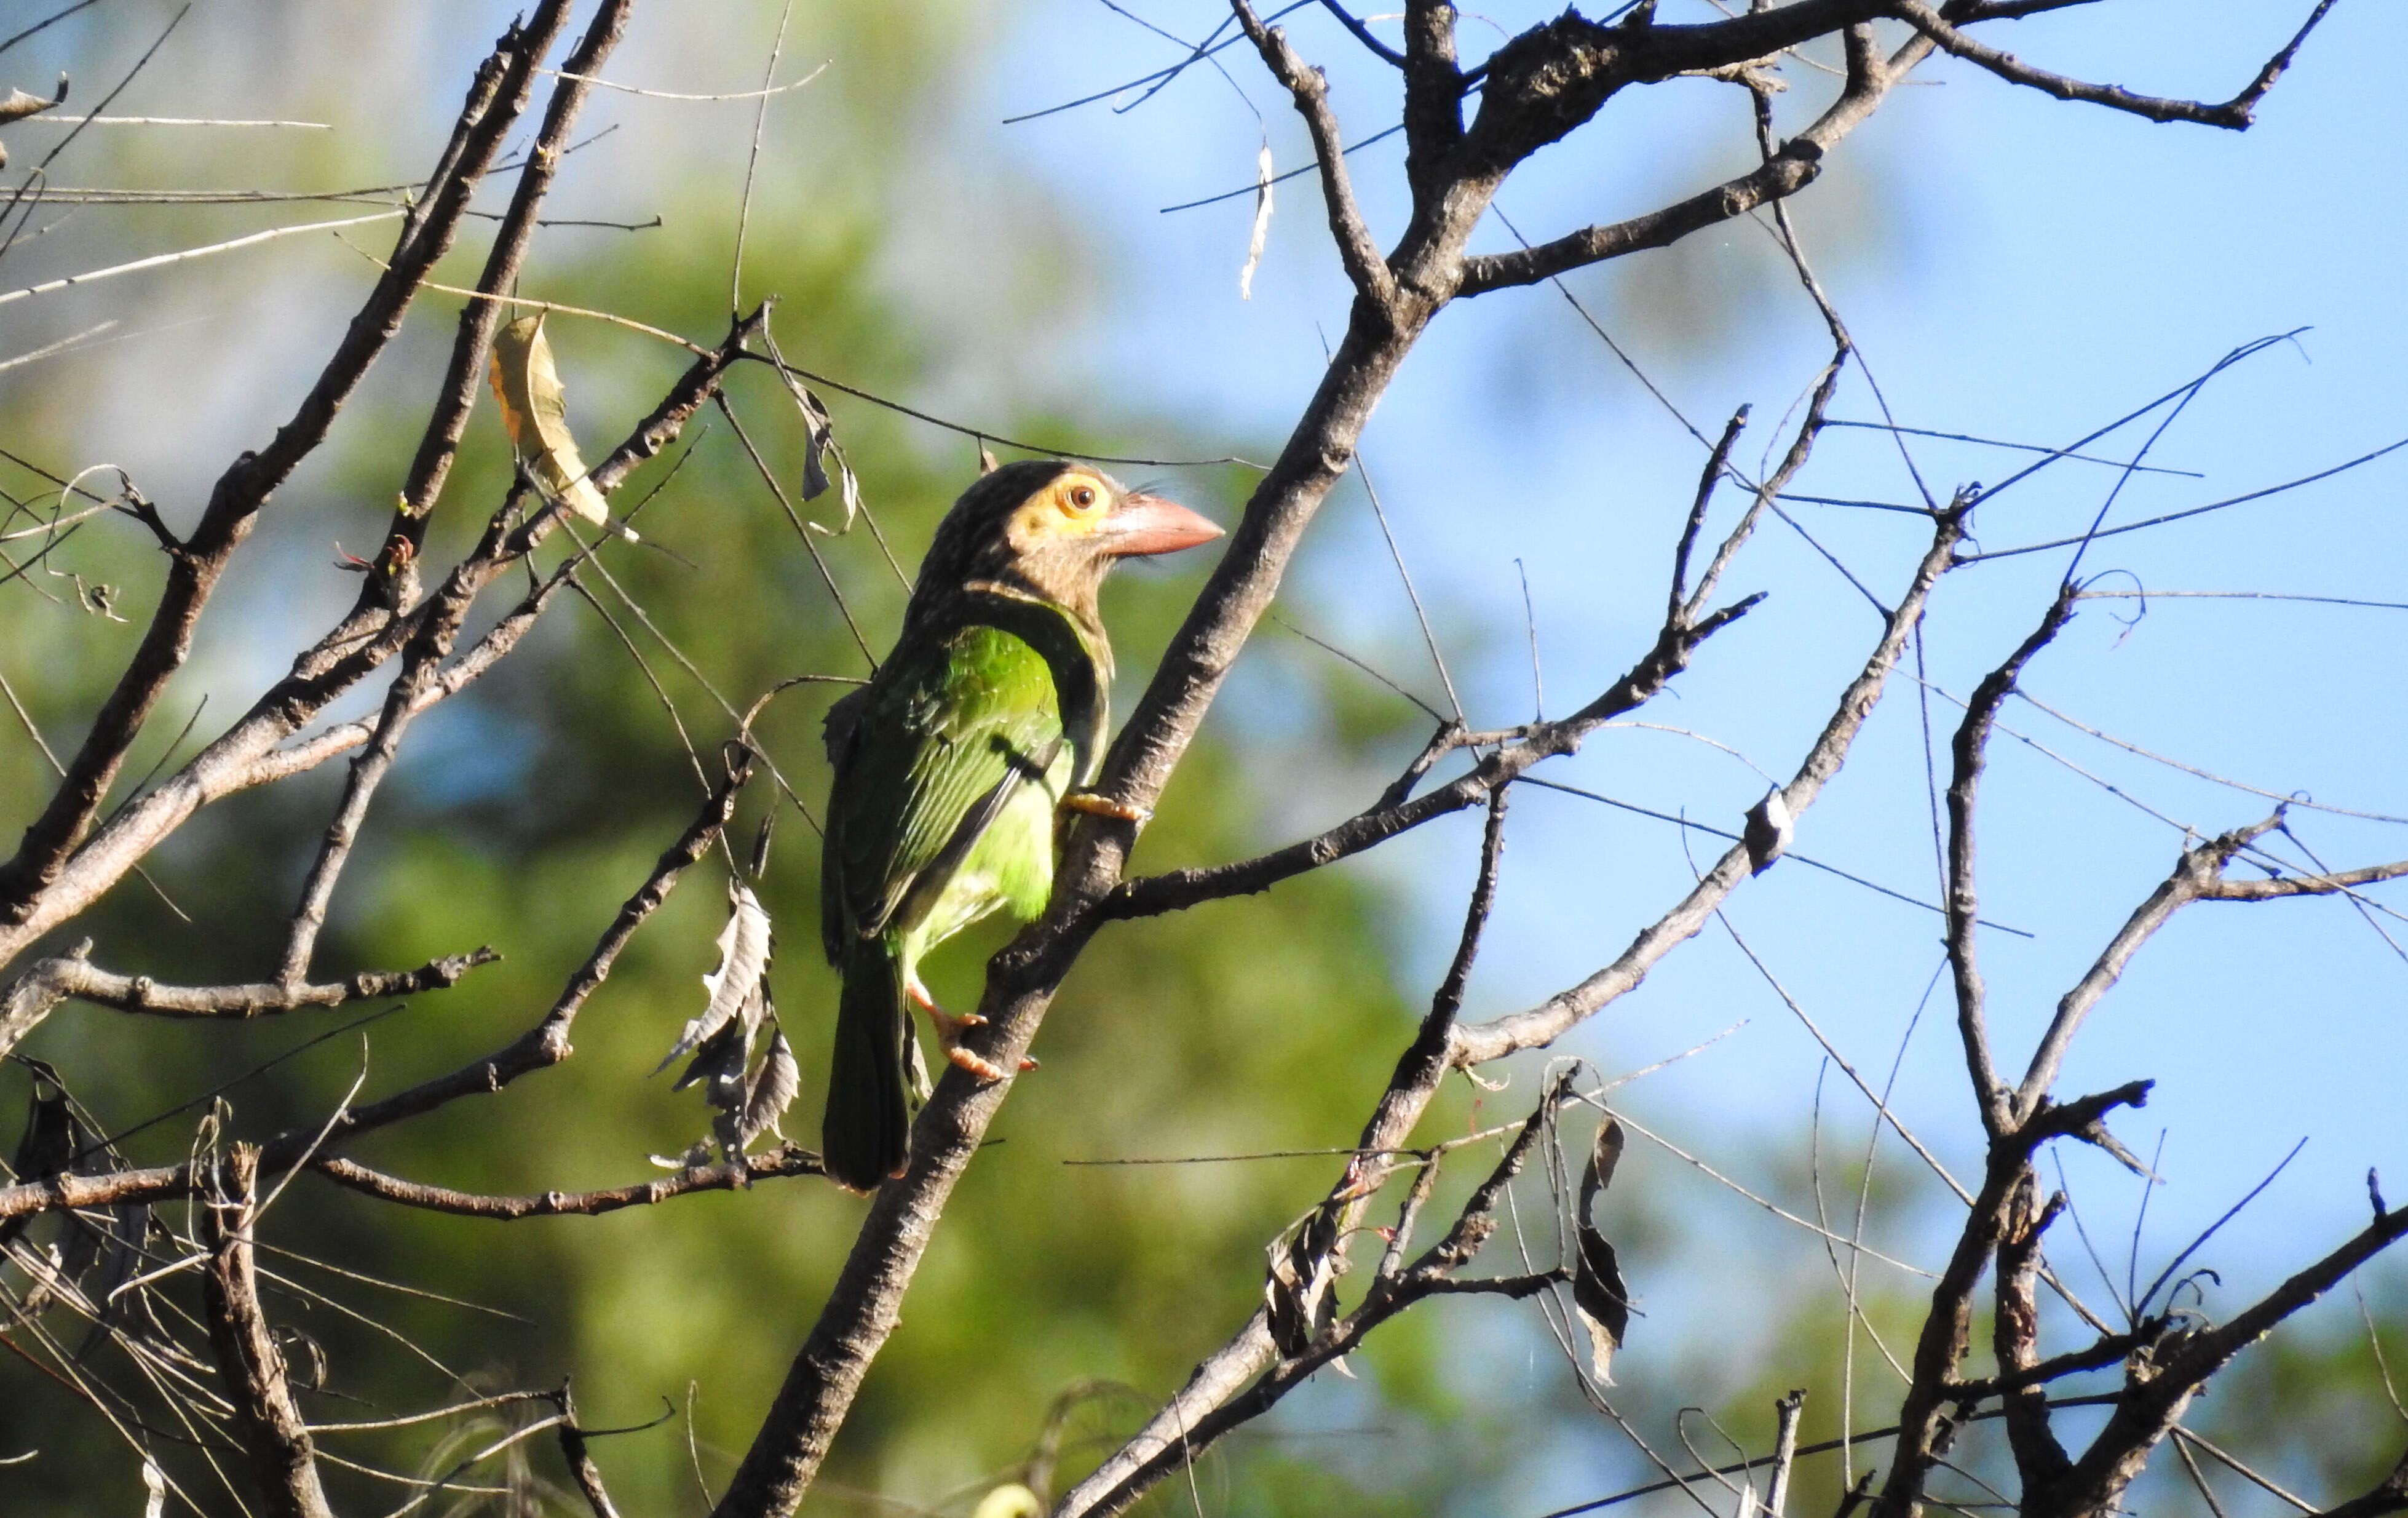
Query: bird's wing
{"points": [[944, 735]]}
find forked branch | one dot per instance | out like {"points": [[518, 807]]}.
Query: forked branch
{"points": [[2236, 114], [283, 1459]]}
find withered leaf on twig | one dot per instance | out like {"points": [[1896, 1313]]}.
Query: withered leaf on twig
{"points": [[1264, 179], [1302, 1288], [750, 1099], [818, 437], [773, 1089], [1598, 1290], [535, 411], [1770, 828], [744, 946]]}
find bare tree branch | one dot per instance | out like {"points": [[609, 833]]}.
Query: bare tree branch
{"points": [[465, 372], [2014, 1336], [540, 1047], [2235, 114], [2338, 883], [72, 976], [194, 570], [1968, 752], [246, 753], [1434, 1274], [2198, 867], [1797, 165], [2162, 1380], [1178, 889], [1434, 86], [1361, 32], [283, 1459], [1947, 1326], [789, 1159], [1550, 1019], [1356, 249], [391, 579], [581, 1467]]}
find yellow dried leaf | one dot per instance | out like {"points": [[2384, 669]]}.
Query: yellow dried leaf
{"points": [[536, 412]]}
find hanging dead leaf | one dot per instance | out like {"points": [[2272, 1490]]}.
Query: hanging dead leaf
{"points": [[535, 411], [770, 1092], [719, 1063], [744, 946], [1770, 828], [17, 104], [1264, 177], [818, 428], [1599, 1292], [1302, 1288]]}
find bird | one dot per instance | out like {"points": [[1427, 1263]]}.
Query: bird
{"points": [[952, 765]]}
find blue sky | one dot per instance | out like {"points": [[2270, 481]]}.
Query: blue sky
{"points": [[2012, 266]]}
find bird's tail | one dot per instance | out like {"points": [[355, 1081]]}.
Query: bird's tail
{"points": [[864, 1135]]}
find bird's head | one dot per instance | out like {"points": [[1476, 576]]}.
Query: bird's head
{"points": [[1053, 528]]}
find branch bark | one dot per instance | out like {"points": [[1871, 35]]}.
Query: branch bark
{"points": [[2162, 1380], [283, 1459], [789, 1159], [2236, 114], [1968, 752], [72, 976]]}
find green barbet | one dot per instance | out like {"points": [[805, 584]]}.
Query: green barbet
{"points": [[950, 764]]}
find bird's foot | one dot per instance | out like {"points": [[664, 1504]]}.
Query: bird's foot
{"points": [[1104, 806], [950, 1028]]}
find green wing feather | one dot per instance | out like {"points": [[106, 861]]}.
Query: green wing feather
{"points": [[948, 729]]}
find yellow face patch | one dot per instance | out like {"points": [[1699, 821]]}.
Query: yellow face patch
{"points": [[1073, 505]]}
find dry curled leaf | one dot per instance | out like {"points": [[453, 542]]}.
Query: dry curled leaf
{"points": [[770, 1092], [1769, 830], [17, 104], [1302, 1288], [535, 411], [735, 986], [1598, 1290], [818, 435], [747, 1099], [1263, 178]]}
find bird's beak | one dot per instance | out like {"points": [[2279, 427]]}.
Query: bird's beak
{"points": [[1143, 525]]}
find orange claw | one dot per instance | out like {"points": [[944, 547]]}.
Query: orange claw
{"points": [[1104, 806], [949, 1028]]}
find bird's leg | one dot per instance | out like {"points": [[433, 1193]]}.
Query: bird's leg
{"points": [[1095, 804], [949, 1028]]}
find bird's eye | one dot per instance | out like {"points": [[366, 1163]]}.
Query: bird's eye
{"points": [[1084, 497]]}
